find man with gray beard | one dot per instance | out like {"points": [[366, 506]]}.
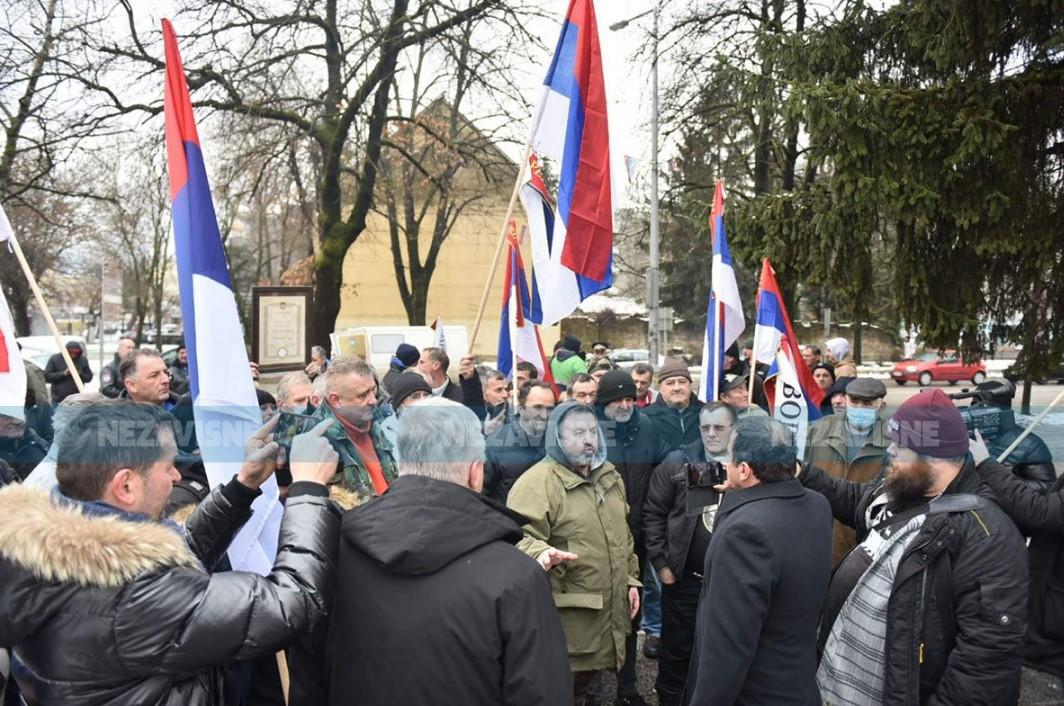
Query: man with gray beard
{"points": [[930, 607]]}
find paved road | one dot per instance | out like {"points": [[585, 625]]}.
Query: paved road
{"points": [[1035, 688]]}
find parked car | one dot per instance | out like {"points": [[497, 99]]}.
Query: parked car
{"points": [[926, 368], [625, 358], [1016, 371]]}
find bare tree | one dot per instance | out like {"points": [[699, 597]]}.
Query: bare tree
{"points": [[436, 163], [323, 70], [135, 221]]}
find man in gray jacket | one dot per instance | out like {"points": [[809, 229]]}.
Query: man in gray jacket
{"points": [[105, 603]]}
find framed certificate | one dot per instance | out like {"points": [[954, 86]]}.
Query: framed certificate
{"points": [[280, 331]]}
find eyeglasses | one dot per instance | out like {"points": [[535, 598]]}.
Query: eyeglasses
{"points": [[719, 428]]}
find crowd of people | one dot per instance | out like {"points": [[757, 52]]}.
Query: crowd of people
{"points": [[475, 540]]}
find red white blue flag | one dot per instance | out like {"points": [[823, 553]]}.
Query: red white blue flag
{"points": [[556, 290], [793, 395], [724, 314], [518, 335], [223, 394], [572, 130]]}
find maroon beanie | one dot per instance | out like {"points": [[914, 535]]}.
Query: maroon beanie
{"points": [[929, 424]]}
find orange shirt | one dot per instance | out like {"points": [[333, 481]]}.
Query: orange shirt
{"points": [[363, 441]]}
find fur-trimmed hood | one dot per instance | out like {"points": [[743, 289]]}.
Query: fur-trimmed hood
{"points": [[61, 544]]}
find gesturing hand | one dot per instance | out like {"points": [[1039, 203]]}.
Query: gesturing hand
{"points": [[313, 458], [260, 456], [549, 558]]}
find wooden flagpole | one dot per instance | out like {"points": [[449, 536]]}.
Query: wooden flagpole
{"points": [[44, 310], [499, 247]]}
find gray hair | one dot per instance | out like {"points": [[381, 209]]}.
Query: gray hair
{"points": [[297, 377], [347, 365], [766, 446], [76, 403], [319, 388], [128, 366], [487, 374], [320, 350], [439, 439]]}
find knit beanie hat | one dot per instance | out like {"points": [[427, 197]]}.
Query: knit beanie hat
{"points": [[673, 367], [615, 385], [839, 347], [571, 343], [405, 385], [929, 424], [407, 354]]}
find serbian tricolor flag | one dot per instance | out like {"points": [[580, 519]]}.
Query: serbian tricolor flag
{"points": [[439, 339], [223, 394], [556, 290], [793, 395], [12, 370], [518, 336], [724, 314], [571, 129]]}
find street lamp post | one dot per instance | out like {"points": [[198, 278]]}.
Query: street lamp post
{"points": [[653, 291]]}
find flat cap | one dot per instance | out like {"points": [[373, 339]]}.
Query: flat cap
{"points": [[866, 389]]}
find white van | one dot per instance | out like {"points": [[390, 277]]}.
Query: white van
{"points": [[377, 344]]}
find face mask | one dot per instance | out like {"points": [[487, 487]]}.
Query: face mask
{"points": [[860, 417]]}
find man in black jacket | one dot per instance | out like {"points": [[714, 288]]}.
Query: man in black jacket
{"points": [[766, 571], [434, 603], [435, 363], [1039, 515], [517, 446], [110, 381], [677, 536], [930, 607], [58, 374], [631, 447], [103, 603], [675, 412]]}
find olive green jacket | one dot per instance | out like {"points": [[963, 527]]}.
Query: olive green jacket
{"points": [[351, 473], [588, 517]]}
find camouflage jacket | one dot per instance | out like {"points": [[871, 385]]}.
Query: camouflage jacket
{"points": [[351, 473]]}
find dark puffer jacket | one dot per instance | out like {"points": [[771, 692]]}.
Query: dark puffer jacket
{"points": [[1041, 516], [977, 559], [632, 448], [119, 610], [510, 453]]}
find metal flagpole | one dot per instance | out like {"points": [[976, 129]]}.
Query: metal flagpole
{"points": [[1029, 429]]}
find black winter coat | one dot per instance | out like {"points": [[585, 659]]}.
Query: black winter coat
{"points": [[120, 611], [632, 448], [1041, 516], [667, 527], [675, 428], [63, 385], [766, 574], [980, 555], [110, 381], [510, 453], [436, 606]]}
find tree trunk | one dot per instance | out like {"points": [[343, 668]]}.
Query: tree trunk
{"points": [[20, 313]]}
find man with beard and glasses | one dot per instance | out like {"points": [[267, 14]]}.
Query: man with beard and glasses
{"points": [[931, 606]]}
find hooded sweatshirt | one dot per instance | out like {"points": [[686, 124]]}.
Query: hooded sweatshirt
{"points": [[434, 599]]}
